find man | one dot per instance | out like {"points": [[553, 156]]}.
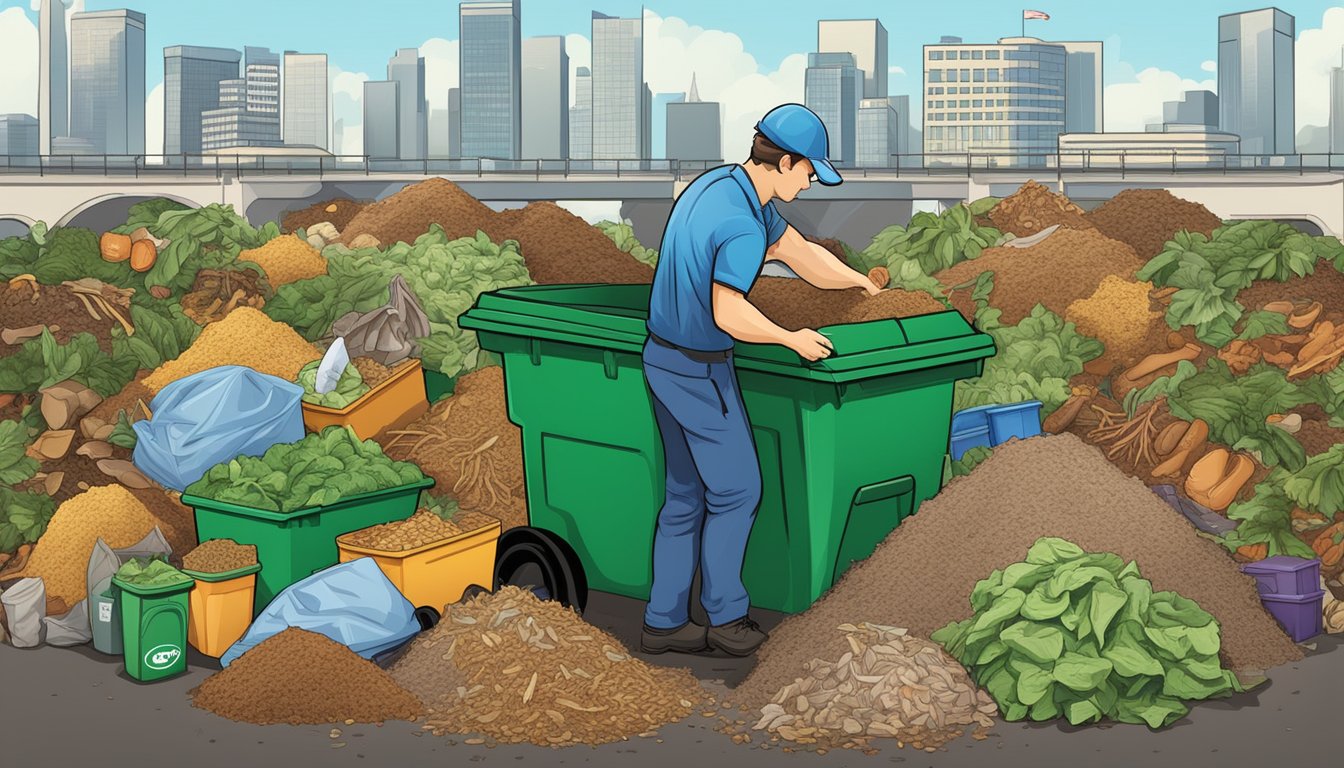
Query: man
{"points": [[722, 229]]}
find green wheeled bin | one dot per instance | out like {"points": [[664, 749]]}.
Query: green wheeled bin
{"points": [[848, 446], [153, 628]]}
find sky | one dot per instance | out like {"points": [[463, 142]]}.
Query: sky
{"points": [[748, 54]]}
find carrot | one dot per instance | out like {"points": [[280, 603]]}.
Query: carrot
{"points": [[1327, 539], [1158, 361], [115, 247], [1254, 551], [143, 255]]}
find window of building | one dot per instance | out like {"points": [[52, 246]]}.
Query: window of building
{"points": [[964, 103], [964, 54], [935, 75], [991, 54], [965, 116], [965, 90], [978, 76], [935, 55], [993, 75], [977, 102], [965, 75]]}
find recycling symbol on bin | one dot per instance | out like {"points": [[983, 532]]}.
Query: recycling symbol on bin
{"points": [[162, 656]]}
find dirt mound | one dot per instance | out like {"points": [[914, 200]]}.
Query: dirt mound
{"points": [[56, 307], [518, 669], [344, 211], [407, 215], [300, 677], [793, 304], [560, 247], [470, 448], [1147, 218], [922, 575], [1067, 266], [1325, 285], [245, 337], [1034, 207]]}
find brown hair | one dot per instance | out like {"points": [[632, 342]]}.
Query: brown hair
{"points": [[765, 152]]}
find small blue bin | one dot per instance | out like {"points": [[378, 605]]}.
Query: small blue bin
{"points": [[1020, 420], [970, 429]]}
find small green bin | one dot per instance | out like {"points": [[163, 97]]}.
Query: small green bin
{"points": [[153, 629], [848, 446], [438, 385], [294, 545]]}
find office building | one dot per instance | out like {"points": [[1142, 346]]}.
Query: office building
{"points": [[1195, 110], [305, 116], [832, 88], [545, 98], [646, 123], [1187, 148], [1255, 80], [581, 116], [53, 75], [694, 128], [455, 122], [18, 137], [1083, 103], [904, 146], [867, 40], [1003, 100], [407, 69], [877, 134], [618, 87], [248, 114], [490, 64], [191, 78], [658, 144], [107, 80], [382, 120], [439, 137], [1337, 108]]}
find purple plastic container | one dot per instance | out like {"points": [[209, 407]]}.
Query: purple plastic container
{"points": [[1285, 576], [1300, 616]]}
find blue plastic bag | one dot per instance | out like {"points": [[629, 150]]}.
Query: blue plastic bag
{"points": [[212, 416], [352, 603]]}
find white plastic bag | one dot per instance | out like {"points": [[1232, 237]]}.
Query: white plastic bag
{"points": [[104, 562], [25, 608], [332, 366], [71, 629]]}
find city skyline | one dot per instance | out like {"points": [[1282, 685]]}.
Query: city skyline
{"points": [[904, 78]]}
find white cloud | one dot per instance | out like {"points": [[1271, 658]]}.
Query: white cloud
{"points": [[896, 70], [1132, 105], [441, 70], [580, 53], [18, 60], [347, 105], [1318, 50], [1209, 66], [154, 121]]}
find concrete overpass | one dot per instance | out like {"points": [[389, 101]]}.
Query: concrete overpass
{"points": [[855, 211]]}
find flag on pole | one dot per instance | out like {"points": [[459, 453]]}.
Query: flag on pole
{"points": [[1038, 15]]}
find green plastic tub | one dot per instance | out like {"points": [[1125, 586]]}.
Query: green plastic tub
{"points": [[848, 446], [438, 385], [294, 545], [153, 629]]}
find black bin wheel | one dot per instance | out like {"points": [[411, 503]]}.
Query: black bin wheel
{"points": [[427, 616], [542, 562]]}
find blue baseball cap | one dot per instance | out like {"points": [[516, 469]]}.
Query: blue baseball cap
{"points": [[797, 129]]}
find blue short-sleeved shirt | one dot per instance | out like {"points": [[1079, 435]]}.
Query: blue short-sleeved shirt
{"points": [[718, 233]]}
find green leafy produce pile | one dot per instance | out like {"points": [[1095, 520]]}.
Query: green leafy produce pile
{"points": [[349, 388], [1085, 637], [623, 235], [15, 464], [150, 572], [319, 469], [445, 275], [23, 517], [162, 332], [1210, 271], [209, 237], [930, 243], [146, 214], [1035, 358], [42, 362], [1266, 518]]}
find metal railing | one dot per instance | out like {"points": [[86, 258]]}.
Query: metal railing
{"points": [[959, 164]]}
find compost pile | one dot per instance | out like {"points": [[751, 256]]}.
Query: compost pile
{"points": [[286, 259], [1146, 219], [516, 669], [26, 308], [338, 212], [1325, 285], [220, 556], [217, 292], [793, 304], [1049, 486], [1033, 207], [470, 448], [304, 678], [418, 530], [371, 371], [406, 215], [1067, 266], [1119, 314], [887, 685], [246, 337]]}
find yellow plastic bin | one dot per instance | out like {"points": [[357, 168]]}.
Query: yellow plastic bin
{"points": [[390, 405], [221, 608], [435, 574]]}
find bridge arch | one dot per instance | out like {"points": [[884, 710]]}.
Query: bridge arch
{"points": [[104, 212], [15, 225]]}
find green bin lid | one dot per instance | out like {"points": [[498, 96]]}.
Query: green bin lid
{"points": [[613, 317]]}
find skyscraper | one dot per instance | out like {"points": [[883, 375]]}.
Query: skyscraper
{"points": [[18, 137], [833, 87], [618, 87], [545, 98], [191, 78], [581, 116], [439, 136], [694, 128], [877, 135], [249, 108], [646, 122], [1194, 110], [107, 80], [903, 144], [455, 123], [305, 115], [867, 40], [1083, 103], [1337, 107], [490, 62], [382, 119], [1255, 80], [407, 68], [658, 146], [53, 75]]}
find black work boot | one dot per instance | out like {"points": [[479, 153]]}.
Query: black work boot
{"points": [[688, 638], [737, 638]]}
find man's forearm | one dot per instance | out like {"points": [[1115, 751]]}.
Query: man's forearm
{"points": [[741, 319], [822, 269]]}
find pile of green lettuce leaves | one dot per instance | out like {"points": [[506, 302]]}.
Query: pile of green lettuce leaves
{"points": [[349, 387], [150, 572], [1084, 636], [623, 235]]}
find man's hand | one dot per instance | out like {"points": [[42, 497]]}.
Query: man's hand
{"points": [[809, 344]]}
